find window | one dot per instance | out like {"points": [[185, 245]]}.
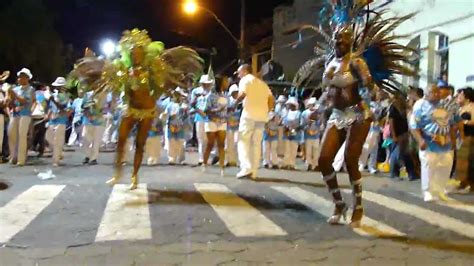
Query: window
{"points": [[442, 58]]}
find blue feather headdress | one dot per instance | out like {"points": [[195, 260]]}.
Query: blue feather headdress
{"points": [[372, 41]]}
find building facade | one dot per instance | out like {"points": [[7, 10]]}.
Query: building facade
{"points": [[443, 32]]}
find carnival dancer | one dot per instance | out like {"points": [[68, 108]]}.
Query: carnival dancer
{"points": [[21, 99], [59, 111], [292, 136], [352, 68], [270, 141], [312, 135], [145, 71], [232, 134]]}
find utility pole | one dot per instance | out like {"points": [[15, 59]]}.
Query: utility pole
{"points": [[242, 31]]}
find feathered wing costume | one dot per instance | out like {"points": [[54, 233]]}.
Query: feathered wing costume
{"points": [[373, 41], [166, 67], [145, 71]]}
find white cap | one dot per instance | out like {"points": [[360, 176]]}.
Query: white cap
{"points": [[181, 92], [271, 115], [233, 88], [294, 101], [311, 101], [6, 87], [205, 79], [281, 99], [25, 71], [59, 82]]}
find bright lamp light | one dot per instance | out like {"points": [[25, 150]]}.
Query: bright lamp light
{"points": [[108, 48], [190, 7]]}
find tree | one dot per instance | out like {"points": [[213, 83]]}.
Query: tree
{"points": [[28, 39]]}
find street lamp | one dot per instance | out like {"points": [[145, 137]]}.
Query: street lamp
{"points": [[108, 48], [190, 7]]}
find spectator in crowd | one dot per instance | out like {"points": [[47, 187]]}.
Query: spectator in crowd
{"points": [[398, 122], [465, 155]]}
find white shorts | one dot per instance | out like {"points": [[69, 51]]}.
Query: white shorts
{"points": [[214, 127]]}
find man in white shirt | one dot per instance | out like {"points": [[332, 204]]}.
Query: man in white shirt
{"points": [[258, 101]]}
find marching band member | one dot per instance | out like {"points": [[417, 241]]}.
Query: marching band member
{"points": [[216, 124], [59, 115], [270, 141], [21, 100], [232, 134], [93, 130], [292, 134], [312, 135], [432, 123], [198, 101]]}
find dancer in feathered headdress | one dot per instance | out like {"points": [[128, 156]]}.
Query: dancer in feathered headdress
{"points": [[144, 72], [361, 56]]}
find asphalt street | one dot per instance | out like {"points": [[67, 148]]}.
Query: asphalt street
{"points": [[183, 216]]}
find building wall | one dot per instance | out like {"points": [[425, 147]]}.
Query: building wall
{"points": [[285, 17], [453, 18]]}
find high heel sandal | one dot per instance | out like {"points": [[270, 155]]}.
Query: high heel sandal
{"points": [[134, 184], [356, 219], [339, 212], [114, 180]]}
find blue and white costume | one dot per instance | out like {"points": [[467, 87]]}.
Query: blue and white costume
{"points": [[270, 141], [292, 136], [312, 135], [435, 121]]}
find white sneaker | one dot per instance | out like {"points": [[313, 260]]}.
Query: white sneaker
{"points": [[428, 197], [243, 173], [361, 168], [372, 171]]}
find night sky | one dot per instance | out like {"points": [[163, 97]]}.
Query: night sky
{"points": [[85, 23]]}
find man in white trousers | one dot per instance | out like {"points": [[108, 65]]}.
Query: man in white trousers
{"points": [[432, 124], [198, 101], [258, 101], [94, 127], [21, 98], [59, 115]]}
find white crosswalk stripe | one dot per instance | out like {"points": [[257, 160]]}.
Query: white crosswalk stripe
{"points": [[21, 211], [451, 203], [242, 219], [325, 207], [425, 215], [126, 216]]}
